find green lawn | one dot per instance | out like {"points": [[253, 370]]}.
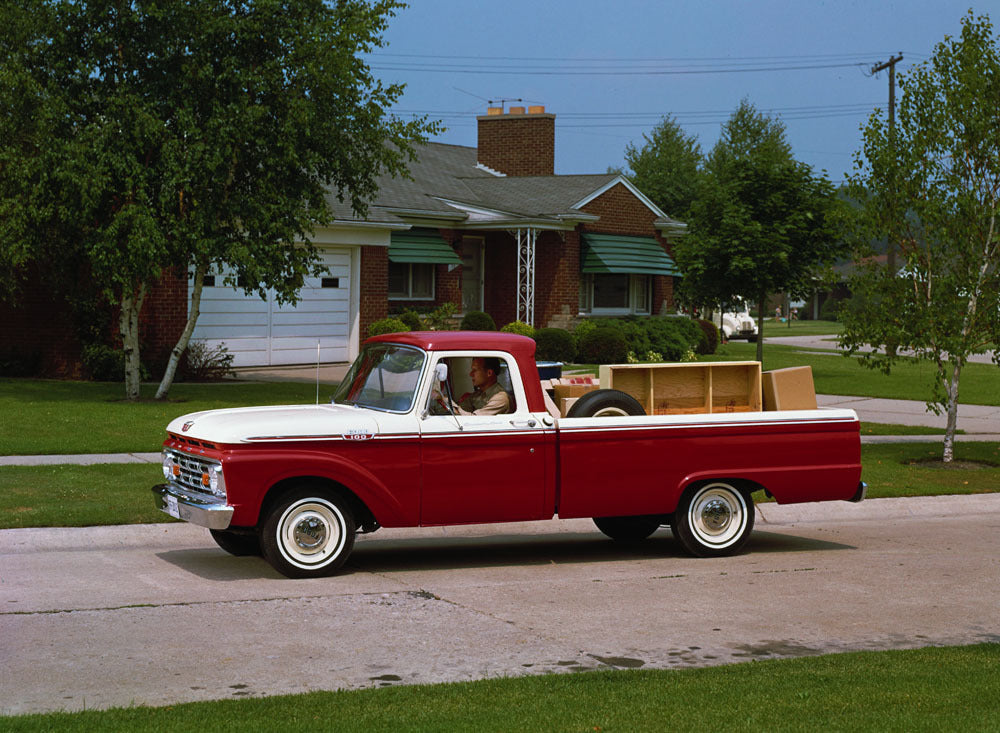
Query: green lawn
{"points": [[53, 417], [932, 689], [79, 496], [836, 374], [801, 328]]}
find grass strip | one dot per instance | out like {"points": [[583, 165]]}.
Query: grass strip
{"points": [[834, 373], [953, 688], [80, 496], [45, 417]]}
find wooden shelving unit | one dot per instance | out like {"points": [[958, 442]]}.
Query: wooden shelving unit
{"points": [[688, 388]]}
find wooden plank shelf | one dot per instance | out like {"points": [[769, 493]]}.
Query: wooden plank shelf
{"points": [[688, 388]]}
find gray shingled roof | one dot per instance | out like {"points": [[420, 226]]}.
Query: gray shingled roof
{"points": [[449, 172]]}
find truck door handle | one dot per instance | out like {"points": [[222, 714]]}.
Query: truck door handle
{"points": [[523, 423]]}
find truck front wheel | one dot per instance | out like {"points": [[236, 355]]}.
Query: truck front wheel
{"points": [[308, 534], [713, 519], [629, 529], [240, 544]]}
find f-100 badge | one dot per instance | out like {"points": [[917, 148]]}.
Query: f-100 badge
{"points": [[357, 434]]}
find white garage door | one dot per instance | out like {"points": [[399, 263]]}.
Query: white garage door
{"points": [[259, 332]]}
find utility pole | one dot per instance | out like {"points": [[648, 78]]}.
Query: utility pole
{"points": [[890, 247], [891, 66]]}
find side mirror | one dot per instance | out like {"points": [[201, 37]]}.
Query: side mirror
{"points": [[441, 371]]}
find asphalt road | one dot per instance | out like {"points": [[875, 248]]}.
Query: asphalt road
{"points": [[156, 614]]}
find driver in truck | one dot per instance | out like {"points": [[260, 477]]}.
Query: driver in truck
{"points": [[488, 396]]}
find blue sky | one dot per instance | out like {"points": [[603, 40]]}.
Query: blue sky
{"points": [[610, 71]]}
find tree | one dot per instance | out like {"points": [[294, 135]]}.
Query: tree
{"points": [[196, 136], [935, 189], [667, 167], [761, 223]]}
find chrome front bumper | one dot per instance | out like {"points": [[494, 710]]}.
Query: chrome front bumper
{"points": [[195, 509]]}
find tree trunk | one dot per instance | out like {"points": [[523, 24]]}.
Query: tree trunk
{"points": [[128, 326], [760, 328], [182, 343], [951, 406]]}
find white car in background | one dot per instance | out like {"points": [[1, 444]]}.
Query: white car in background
{"points": [[738, 324]]}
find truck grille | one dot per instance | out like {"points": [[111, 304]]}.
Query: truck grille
{"points": [[188, 471]]}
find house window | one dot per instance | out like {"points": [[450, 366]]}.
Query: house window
{"points": [[615, 294], [411, 281]]}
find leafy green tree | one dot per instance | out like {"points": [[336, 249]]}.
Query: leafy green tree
{"points": [[204, 137], [761, 223], [934, 186], [666, 168]]}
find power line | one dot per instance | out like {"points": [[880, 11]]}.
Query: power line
{"points": [[527, 71]]}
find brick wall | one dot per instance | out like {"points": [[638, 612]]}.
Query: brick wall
{"points": [[622, 213], [518, 144], [38, 329], [557, 278], [374, 301], [162, 319]]}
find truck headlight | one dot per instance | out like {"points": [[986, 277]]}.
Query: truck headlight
{"points": [[168, 466], [212, 480]]}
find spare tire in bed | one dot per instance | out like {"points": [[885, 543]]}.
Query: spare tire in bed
{"points": [[606, 403]]}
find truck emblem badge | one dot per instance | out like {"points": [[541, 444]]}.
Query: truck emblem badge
{"points": [[187, 426], [357, 434]]}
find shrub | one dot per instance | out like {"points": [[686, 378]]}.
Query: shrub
{"points": [[440, 319], [412, 319], [603, 345], [16, 362], [478, 321], [519, 327], [204, 364], [582, 329], [709, 341], [672, 336], [387, 325], [105, 364], [554, 344]]}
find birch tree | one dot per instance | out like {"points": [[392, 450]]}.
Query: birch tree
{"points": [[933, 185]]}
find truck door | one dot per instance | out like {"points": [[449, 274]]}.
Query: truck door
{"points": [[484, 468]]}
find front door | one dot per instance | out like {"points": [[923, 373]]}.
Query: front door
{"points": [[484, 468], [472, 274]]}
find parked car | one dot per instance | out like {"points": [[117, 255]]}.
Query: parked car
{"points": [[738, 324]]}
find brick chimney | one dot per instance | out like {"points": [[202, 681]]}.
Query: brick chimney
{"points": [[518, 143]]}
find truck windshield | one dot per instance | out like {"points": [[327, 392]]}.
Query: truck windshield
{"points": [[384, 376]]}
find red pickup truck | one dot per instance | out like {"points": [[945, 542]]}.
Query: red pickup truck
{"points": [[296, 483]]}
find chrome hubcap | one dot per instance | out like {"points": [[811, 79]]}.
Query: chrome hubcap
{"points": [[716, 515], [310, 534]]}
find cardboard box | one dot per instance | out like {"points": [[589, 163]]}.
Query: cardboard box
{"points": [[573, 390], [789, 389]]}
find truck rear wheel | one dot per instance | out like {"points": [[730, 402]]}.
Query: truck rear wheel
{"points": [[606, 403], [629, 529], [309, 533], [713, 519]]}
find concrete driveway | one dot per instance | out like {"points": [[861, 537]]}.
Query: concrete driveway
{"points": [[156, 614]]}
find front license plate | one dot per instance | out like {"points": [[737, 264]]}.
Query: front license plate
{"points": [[172, 508]]}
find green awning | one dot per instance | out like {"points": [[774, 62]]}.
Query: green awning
{"points": [[418, 246], [611, 253]]}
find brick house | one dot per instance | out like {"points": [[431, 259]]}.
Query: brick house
{"points": [[488, 228]]}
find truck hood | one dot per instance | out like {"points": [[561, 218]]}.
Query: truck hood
{"points": [[280, 422]]}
